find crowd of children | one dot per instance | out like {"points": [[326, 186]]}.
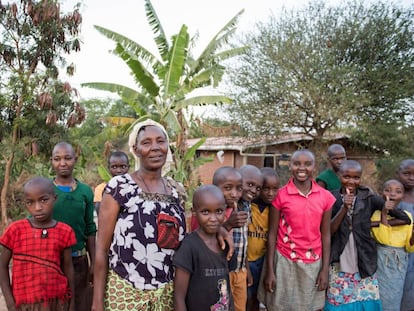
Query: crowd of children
{"points": [[327, 243]]}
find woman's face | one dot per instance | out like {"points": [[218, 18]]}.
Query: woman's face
{"points": [[151, 147]]}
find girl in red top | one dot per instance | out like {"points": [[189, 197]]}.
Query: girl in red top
{"points": [[298, 244], [40, 247]]}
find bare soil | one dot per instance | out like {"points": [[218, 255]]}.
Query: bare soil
{"points": [[2, 303]]}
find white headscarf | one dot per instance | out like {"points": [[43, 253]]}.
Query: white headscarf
{"points": [[133, 140]]}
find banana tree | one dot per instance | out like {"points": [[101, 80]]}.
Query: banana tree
{"points": [[166, 82]]}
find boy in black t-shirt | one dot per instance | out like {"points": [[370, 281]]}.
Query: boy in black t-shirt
{"points": [[201, 269]]}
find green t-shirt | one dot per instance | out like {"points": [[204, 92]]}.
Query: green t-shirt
{"points": [[76, 209], [330, 179]]}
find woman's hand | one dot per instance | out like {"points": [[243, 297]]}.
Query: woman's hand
{"points": [[223, 237]]}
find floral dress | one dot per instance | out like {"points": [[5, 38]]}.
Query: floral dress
{"points": [[134, 254]]}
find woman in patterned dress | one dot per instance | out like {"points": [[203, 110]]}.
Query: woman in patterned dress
{"points": [[133, 265]]}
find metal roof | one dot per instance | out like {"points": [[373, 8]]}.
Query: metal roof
{"points": [[243, 143]]}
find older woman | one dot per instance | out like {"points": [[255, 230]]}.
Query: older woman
{"points": [[141, 222]]}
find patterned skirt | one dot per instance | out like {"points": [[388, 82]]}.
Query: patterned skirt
{"points": [[348, 291], [121, 295]]}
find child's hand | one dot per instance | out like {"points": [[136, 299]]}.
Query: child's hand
{"points": [[249, 278], [237, 218], [270, 282], [322, 280], [348, 198], [389, 204]]}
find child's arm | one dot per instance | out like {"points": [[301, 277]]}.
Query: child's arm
{"points": [[90, 246], [67, 267], [5, 257], [90, 232], [270, 280], [400, 215], [181, 282], [336, 221], [225, 238], [249, 274], [322, 280]]}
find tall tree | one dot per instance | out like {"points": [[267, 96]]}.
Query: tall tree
{"points": [[166, 82], [35, 35], [323, 68]]}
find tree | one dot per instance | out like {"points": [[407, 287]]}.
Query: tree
{"points": [[34, 36], [325, 68], [166, 83]]}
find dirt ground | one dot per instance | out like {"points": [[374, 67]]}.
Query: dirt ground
{"points": [[2, 303]]}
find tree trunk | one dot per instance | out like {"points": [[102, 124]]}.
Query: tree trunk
{"points": [[9, 165], [5, 189]]}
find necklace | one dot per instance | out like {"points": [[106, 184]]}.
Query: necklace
{"points": [[148, 188], [72, 186], [43, 230]]}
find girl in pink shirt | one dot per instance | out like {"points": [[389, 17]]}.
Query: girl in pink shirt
{"points": [[297, 264]]}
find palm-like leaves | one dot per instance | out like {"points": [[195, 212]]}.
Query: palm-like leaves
{"points": [[165, 83]]}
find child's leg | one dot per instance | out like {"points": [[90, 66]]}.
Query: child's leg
{"points": [[238, 286], [83, 290], [391, 272], [255, 270]]}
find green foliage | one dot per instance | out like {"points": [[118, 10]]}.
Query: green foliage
{"points": [[35, 106], [104, 173], [165, 82], [329, 68], [185, 169]]}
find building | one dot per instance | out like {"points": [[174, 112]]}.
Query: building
{"points": [[276, 152]]}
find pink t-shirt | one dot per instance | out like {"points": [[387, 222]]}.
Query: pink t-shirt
{"points": [[299, 235]]}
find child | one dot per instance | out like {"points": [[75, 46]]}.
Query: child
{"points": [[74, 206], [201, 270], [240, 276], [257, 231], [39, 247], [353, 284], [118, 164], [405, 174], [328, 179], [298, 244], [393, 244], [229, 180]]}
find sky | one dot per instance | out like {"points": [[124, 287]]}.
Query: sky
{"points": [[95, 63]]}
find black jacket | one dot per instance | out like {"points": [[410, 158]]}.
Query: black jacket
{"points": [[365, 205]]}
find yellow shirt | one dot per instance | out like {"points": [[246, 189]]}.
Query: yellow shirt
{"points": [[396, 236], [97, 197], [257, 232]]}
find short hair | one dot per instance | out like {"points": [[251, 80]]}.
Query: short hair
{"points": [[347, 164], [117, 154], [222, 172], [248, 168], [405, 163], [303, 151], [269, 172], [64, 144], [206, 189], [392, 181], [335, 147], [46, 183]]}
